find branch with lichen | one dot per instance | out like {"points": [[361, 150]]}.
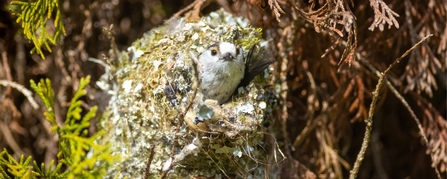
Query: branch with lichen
{"points": [[369, 121]]}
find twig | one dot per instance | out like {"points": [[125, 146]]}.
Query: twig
{"points": [[311, 122], [9, 138], [180, 12], [276, 146], [217, 163], [28, 94], [183, 114], [7, 69], [366, 139], [405, 103], [376, 151], [149, 161], [110, 33]]}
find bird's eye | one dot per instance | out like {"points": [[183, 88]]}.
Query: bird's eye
{"points": [[213, 52]]}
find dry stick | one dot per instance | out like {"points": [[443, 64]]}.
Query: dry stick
{"points": [[404, 102], [28, 94], [187, 8], [149, 161], [274, 149], [366, 139], [216, 162], [311, 123], [7, 70], [111, 36], [183, 114]]}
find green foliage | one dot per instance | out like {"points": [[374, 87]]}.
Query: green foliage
{"points": [[24, 170], [81, 156], [19, 169], [34, 17], [48, 173]]}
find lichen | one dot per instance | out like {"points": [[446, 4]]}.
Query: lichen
{"points": [[156, 81]]}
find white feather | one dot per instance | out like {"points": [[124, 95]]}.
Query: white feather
{"points": [[220, 77]]}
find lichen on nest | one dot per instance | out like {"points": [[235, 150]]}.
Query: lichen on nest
{"points": [[154, 107]]}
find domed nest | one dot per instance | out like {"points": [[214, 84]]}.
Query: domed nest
{"points": [[158, 120]]}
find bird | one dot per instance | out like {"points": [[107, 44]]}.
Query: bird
{"points": [[224, 69]]}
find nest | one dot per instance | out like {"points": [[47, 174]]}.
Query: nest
{"points": [[158, 121]]}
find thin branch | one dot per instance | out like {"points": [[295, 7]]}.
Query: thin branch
{"points": [[366, 139], [28, 94], [149, 161], [183, 114], [311, 122], [180, 12], [6, 68]]}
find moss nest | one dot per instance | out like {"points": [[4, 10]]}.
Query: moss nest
{"points": [[157, 116]]}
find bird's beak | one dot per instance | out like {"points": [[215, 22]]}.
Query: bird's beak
{"points": [[228, 57]]}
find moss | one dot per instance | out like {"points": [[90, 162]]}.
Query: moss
{"points": [[157, 79]]}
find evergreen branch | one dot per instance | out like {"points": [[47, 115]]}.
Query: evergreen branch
{"points": [[45, 92], [48, 173], [74, 111], [34, 17], [19, 169], [78, 152]]}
